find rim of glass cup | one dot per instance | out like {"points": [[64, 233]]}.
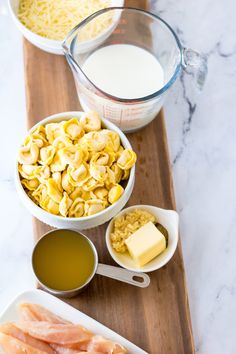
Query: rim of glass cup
{"points": [[178, 69]]}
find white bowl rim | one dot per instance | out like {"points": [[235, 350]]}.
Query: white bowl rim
{"points": [[48, 42], [145, 269], [68, 115]]}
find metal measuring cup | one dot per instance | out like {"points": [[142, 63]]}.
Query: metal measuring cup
{"points": [[141, 280]]}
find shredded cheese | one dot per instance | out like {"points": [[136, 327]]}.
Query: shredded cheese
{"points": [[53, 19]]}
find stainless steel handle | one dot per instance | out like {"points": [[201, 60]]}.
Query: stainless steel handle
{"points": [[134, 278]]}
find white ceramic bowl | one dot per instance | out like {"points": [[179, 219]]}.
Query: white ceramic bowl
{"points": [[87, 221], [55, 46], [169, 219]]}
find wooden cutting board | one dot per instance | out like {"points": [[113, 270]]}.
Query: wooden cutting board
{"points": [[156, 318]]}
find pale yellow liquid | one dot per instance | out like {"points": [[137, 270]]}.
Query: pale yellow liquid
{"points": [[63, 260]]}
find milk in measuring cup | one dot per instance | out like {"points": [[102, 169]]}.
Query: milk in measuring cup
{"points": [[126, 72]]}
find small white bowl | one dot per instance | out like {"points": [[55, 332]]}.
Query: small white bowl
{"points": [[169, 219], [55, 46], [85, 222]]}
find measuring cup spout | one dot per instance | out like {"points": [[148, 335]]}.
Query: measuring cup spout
{"points": [[67, 41], [66, 46], [195, 64]]}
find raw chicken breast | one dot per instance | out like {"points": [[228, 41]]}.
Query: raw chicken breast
{"points": [[42, 332], [11, 345], [33, 312], [11, 330], [64, 334], [102, 345]]}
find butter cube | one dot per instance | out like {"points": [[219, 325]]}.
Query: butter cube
{"points": [[145, 244]]}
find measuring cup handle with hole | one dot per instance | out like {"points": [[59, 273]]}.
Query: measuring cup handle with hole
{"points": [[141, 280]]}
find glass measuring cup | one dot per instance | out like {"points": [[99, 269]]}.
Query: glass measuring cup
{"points": [[142, 29]]}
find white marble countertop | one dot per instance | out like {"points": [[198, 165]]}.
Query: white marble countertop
{"points": [[201, 131]]}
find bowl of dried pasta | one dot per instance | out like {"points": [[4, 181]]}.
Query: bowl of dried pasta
{"points": [[75, 170]]}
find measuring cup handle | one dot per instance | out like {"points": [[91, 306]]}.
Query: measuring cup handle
{"points": [[142, 280], [195, 64]]}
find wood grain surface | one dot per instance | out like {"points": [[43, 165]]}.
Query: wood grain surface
{"points": [[156, 318]]}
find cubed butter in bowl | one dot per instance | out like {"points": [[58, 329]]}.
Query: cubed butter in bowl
{"points": [[136, 241], [146, 243]]}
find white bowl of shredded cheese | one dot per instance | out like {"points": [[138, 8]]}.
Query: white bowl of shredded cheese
{"points": [[46, 23]]}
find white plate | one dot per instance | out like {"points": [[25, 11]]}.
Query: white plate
{"points": [[67, 312]]}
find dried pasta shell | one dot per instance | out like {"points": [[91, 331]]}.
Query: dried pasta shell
{"points": [[94, 206], [112, 139], [39, 131], [127, 159], [111, 178], [103, 158], [28, 155], [46, 155], [91, 121], [50, 205], [77, 208], [58, 179], [91, 184], [42, 173], [53, 191], [28, 171], [61, 141], [65, 204], [79, 192], [94, 141], [30, 184], [120, 150], [40, 193], [115, 193], [66, 183], [125, 174], [57, 164], [38, 137], [72, 128], [98, 172], [38, 141], [118, 172], [77, 176], [52, 131], [101, 193], [86, 156], [72, 155]]}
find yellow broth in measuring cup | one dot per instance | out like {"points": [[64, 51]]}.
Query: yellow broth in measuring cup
{"points": [[64, 260]]}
